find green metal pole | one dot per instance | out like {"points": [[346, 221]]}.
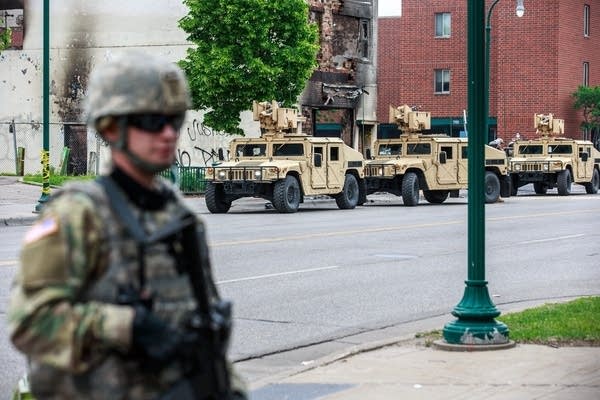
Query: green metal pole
{"points": [[488, 29], [45, 156], [475, 323]]}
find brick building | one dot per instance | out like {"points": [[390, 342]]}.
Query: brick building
{"points": [[536, 62]]}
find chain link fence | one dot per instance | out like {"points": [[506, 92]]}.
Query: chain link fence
{"points": [[73, 150]]}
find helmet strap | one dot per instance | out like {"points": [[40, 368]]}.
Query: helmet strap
{"points": [[121, 145]]}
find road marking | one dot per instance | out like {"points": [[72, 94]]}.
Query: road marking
{"points": [[8, 263], [300, 271], [334, 233], [552, 239], [391, 228]]}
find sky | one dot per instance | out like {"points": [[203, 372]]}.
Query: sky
{"points": [[389, 8]]}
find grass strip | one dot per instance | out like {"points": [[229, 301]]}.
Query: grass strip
{"points": [[572, 323]]}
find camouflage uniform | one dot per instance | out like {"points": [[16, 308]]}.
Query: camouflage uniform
{"points": [[64, 312]]}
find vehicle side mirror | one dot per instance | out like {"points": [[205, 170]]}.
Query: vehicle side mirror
{"points": [[442, 157], [584, 157], [368, 154], [220, 154], [318, 160]]}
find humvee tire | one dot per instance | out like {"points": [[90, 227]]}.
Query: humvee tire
{"points": [[286, 195], [492, 187], [215, 199], [563, 182], [410, 189], [540, 187], [436, 196], [348, 197], [593, 186]]}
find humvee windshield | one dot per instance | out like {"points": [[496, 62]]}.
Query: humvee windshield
{"points": [[418, 148], [288, 149], [390, 149], [560, 149], [531, 149], [251, 150]]}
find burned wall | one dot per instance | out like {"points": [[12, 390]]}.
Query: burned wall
{"points": [[344, 59]]}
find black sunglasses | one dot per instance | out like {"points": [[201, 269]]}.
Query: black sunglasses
{"points": [[155, 123]]}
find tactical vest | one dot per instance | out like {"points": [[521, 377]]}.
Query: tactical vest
{"points": [[114, 375]]}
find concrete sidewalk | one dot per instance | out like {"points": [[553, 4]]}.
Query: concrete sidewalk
{"points": [[411, 370], [399, 367]]}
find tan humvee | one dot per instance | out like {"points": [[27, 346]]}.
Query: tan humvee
{"points": [[435, 164], [552, 161], [284, 167]]}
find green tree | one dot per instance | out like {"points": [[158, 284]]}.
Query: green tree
{"points": [[246, 50], [5, 39], [588, 100]]}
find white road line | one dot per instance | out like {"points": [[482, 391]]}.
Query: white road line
{"points": [[8, 263], [552, 239], [300, 271]]}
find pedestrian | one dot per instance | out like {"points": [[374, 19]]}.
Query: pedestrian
{"points": [[114, 298], [497, 143]]}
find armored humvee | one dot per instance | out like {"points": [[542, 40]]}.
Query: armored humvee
{"points": [[283, 166], [551, 161], [435, 164]]}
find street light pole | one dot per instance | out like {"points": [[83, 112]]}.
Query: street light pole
{"points": [[519, 10], [45, 156], [475, 324]]}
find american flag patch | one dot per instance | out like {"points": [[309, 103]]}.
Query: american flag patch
{"points": [[41, 229]]}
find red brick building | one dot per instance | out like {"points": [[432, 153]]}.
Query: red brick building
{"points": [[537, 62]]}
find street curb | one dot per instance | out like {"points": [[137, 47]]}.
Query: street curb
{"points": [[330, 359]]}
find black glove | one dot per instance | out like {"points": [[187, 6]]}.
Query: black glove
{"points": [[154, 340]]}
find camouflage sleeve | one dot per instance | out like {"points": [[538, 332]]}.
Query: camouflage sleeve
{"points": [[61, 253]]}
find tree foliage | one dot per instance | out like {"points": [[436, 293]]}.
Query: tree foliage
{"points": [[588, 100], [5, 39], [246, 50]]}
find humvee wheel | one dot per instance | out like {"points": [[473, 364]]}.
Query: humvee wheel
{"points": [[410, 189], [286, 195], [436, 196], [492, 187], [215, 199], [540, 188], [348, 197], [563, 182], [593, 186]]}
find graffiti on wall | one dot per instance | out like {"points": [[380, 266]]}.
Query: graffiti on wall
{"points": [[202, 145]]}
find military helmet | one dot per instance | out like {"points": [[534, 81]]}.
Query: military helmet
{"points": [[135, 83]]}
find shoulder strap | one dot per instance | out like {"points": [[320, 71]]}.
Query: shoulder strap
{"points": [[119, 204]]}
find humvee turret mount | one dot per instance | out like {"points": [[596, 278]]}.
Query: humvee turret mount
{"points": [[553, 161], [284, 165], [435, 164]]}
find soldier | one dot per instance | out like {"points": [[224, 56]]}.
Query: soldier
{"points": [[497, 143], [114, 298]]}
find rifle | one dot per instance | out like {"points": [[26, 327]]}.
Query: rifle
{"points": [[211, 321], [207, 377]]}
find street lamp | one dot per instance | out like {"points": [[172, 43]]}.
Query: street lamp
{"points": [[519, 11], [45, 157], [476, 326]]}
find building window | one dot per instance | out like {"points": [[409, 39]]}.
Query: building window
{"points": [[586, 74], [12, 24], [586, 20], [442, 81], [442, 25], [363, 40]]}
